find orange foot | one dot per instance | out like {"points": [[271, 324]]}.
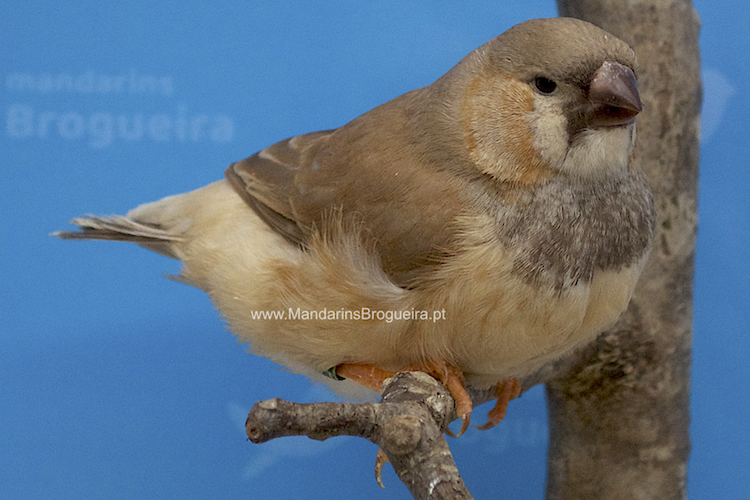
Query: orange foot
{"points": [[453, 379], [504, 391]]}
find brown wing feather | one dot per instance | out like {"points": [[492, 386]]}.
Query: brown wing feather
{"points": [[267, 181], [377, 169]]}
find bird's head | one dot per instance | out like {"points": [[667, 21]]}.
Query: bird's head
{"points": [[549, 97]]}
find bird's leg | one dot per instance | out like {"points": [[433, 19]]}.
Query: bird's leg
{"points": [[504, 391], [365, 374], [453, 379]]}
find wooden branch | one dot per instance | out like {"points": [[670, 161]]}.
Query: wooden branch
{"points": [[619, 410], [407, 425]]}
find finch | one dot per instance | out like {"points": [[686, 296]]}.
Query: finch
{"points": [[506, 195]]}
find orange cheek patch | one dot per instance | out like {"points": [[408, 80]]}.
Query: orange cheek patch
{"points": [[497, 134]]}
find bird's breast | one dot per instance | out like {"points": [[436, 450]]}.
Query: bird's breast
{"points": [[498, 324], [538, 276]]}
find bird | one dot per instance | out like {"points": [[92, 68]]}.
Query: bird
{"points": [[475, 229]]}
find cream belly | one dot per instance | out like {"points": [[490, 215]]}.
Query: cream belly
{"points": [[543, 329]]}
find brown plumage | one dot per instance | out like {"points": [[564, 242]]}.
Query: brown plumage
{"points": [[506, 194]]}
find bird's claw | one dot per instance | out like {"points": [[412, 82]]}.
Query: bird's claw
{"points": [[505, 391], [465, 421], [380, 460]]}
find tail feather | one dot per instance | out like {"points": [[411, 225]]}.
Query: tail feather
{"points": [[121, 228]]}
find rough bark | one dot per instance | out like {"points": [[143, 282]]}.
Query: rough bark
{"points": [[619, 411], [619, 408], [407, 425]]}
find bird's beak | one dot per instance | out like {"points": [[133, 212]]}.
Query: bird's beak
{"points": [[614, 94]]}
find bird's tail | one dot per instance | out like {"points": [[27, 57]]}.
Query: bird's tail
{"points": [[122, 228], [174, 225]]}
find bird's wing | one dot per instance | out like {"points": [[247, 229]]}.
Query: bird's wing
{"points": [[378, 169], [268, 181]]}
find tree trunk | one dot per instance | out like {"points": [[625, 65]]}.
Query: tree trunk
{"points": [[619, 412]]}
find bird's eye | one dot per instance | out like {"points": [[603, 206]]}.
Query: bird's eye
{"points": [[544, 85]]}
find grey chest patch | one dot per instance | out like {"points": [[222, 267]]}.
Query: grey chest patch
{"points": [[561, 232]]}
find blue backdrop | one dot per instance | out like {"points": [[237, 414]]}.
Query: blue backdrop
{"points": [[117, 383]]}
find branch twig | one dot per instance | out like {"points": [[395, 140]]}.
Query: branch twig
{"points": [[407, 425]]}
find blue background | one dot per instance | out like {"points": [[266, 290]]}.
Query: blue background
{"points": [[117, 383]]}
